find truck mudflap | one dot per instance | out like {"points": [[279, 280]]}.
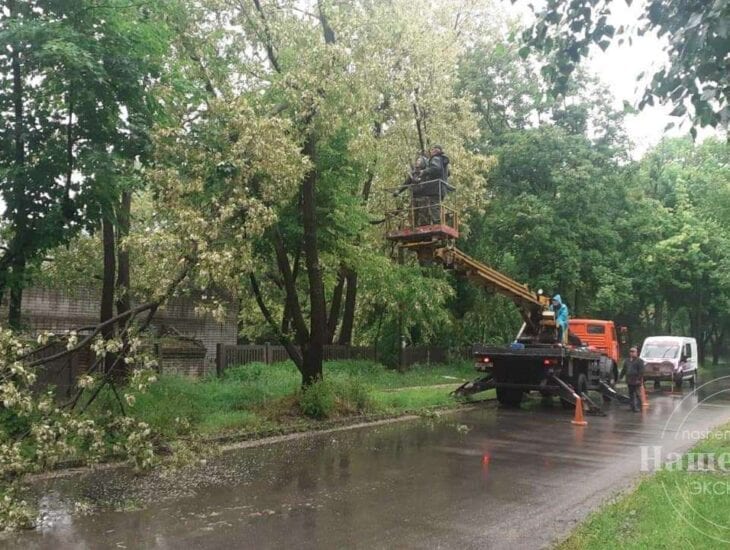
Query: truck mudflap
{"points": [[475, 386], [610, 393], [567, 393]]}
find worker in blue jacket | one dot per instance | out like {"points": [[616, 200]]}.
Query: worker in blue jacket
{"points": [[561, 318]]}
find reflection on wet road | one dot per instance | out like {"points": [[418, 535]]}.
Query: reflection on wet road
{"points": [[485, 478]]}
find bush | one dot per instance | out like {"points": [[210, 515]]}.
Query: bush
{"points": [[326, 398], [318, 400], [357, 395]]}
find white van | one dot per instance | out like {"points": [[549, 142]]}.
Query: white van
{"points": [[671, 358]]}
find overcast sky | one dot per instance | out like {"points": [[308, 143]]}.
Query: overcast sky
{"points": [[619, 66]]}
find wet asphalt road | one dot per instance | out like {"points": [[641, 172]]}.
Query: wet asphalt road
{"points": [[487, 478]]}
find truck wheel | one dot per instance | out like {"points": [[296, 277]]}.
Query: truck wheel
{"points": [[657, 385], [678, 384], [509, 397], [693, 381]]}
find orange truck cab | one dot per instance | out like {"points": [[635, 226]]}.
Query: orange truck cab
{"points": [[599, 335]]}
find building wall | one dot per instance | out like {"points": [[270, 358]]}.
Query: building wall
{"points": [[46, 309]]}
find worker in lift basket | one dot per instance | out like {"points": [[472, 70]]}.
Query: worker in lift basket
{"points": [[431, 190], [414, 175], [633, 368], [561, 318]]}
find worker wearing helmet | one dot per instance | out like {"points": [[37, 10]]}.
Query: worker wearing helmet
{"points": [[561, 318]]}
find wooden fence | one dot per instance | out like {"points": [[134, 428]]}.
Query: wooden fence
{"points": [[230, 355]]}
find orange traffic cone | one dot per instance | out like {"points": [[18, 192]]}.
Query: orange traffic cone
{"points": [[578, 419], [644, 397]]}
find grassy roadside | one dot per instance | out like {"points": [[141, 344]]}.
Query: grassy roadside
{"points": [[262, 398], [680, 508]]}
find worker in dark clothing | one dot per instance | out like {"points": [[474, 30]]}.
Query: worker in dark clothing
{"points": [[633, 369], [432, 188], [414, 175], [438, 166]]}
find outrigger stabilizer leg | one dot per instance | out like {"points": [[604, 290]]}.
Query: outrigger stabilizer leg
{"points": [[611, 393], [567, 393], [475, 386]]}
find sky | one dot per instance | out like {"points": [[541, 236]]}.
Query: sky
{"points": [[619, 66]]}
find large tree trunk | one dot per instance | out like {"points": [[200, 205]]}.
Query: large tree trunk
{"points": [[658, 317], [348, 317], [16, 293], [107, 289], [17, 245], [718, 339], [313, 351], [335, 307], [123, 281]]}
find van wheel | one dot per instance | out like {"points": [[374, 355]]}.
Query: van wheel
{"points": [[693, 381], [678, 384], [657, 385]]}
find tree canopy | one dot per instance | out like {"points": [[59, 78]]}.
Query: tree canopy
{"points": [[697, 42]]}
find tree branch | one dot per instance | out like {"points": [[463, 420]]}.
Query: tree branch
{"points": [[291, 349], [268, 43], [292, 299]]}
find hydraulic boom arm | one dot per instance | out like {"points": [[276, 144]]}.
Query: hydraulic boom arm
{"points": [[530, 303]]}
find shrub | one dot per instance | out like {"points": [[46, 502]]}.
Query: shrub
{"points": [[356, 395], [326, 398], [318, 400]]}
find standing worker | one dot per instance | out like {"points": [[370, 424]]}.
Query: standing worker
{"points": [[633, 368], [561, 318], [432, 189], [414, 175]]}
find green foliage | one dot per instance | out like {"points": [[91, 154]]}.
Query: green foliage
{"points": [[318, 400], [78, 114], [256, 397], [697, 45]]}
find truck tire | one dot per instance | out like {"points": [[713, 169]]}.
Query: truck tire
{"points": [[657, 385], [509, 397], [693, 381]]}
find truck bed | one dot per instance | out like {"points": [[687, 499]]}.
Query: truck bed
{"points": [[547, 351]]}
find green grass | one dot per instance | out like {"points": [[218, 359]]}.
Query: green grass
{"points": [[258, 397], [671, 509]]}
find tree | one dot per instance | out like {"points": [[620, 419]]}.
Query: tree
{"points": [[697, 47], [337, 81], [685, 264], [81, 72]]}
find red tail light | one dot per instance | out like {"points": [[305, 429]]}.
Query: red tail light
{"points": [[486, 360], [550, 362]]}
